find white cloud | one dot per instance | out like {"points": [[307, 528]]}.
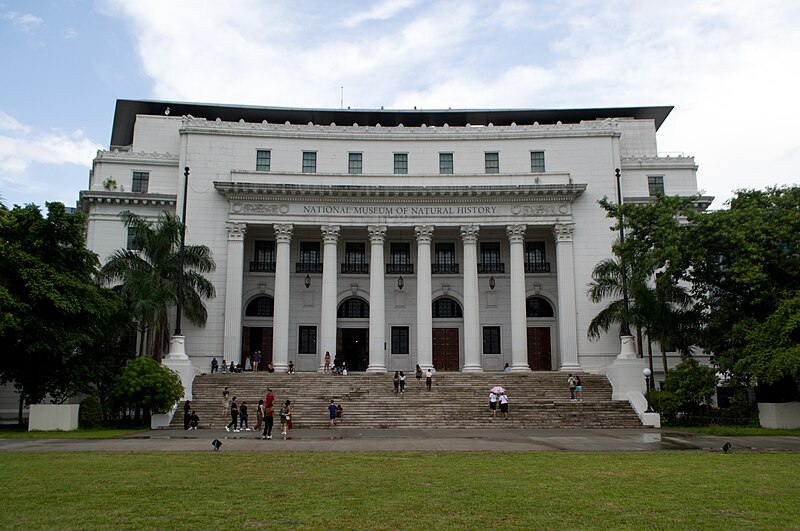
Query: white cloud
{"points": [[381, 11], [24, 21]]}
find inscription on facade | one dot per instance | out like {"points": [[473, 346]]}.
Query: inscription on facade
{"points": [[401, 210]]}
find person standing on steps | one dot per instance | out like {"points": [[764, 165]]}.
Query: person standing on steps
{"points": [[270, 398], [243, 418], [429, 379], [332, 413], [327, 368], [578, 388], [571, 385], [418, 375], [492, 403], [234, 417], [226, 400], [259, 415], [402, 383], [504, 405], [224, 366], [187, 408], [396, 381], [269, 411]]}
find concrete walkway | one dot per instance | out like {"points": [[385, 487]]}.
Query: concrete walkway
{"points": [[341, 439]]}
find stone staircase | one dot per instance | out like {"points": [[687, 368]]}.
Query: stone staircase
{"points": [[457, 400]]}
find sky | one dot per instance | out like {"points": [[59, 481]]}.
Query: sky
{"points": [[731, 69]]}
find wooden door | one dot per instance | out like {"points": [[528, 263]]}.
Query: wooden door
{"points": [[266, 347], [539, 348], [445, 349]]}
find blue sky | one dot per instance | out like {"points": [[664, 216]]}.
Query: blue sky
{"points": [[730, 68]]}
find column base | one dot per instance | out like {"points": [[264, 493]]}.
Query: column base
{"points": [[376, 368], [178, 361], [471, 368], [572, 367], [627, 350], [521, 368]]}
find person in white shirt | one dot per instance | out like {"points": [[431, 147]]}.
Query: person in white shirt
{"points": [[492, 402], [429, 379], [504, 405]]}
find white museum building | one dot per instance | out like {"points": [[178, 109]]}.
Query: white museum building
{"points": [[461, 240]]}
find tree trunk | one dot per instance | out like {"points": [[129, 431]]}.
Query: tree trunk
{"points": [[21, 405], [664, 359], [639, 341]]}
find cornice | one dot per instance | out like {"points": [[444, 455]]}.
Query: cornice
{"points": [[116, 156], [701, 202], [88, 197], [632, 163], [240, 191]]}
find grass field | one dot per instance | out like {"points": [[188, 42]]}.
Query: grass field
{"points": [[665, 490], [15, 432]]}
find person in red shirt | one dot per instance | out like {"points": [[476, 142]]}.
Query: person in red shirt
{"points": [[270, 398]]}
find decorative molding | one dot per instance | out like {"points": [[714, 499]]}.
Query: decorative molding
{"points": [[563, 232], [283, 233], [258, 208], [469, 233], [424, 234], [236, 231], [117, 156], [544, 209], [632, 163], [516, 233], [377, 234], [88, 197], [330, 233]]}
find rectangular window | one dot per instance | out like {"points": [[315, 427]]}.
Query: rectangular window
{"points": [[309, 161], [354, 258], [141, 179], [537, 161], [445, 258], [309, 258], [491, 340], [490, 254], [400, 259], [263, 159], [655, 185], [263, 256], [535, 258], [354, 162], [446, 163], [492, 162], [401, 163], [399, 340], [132, 244], [307, 342]]}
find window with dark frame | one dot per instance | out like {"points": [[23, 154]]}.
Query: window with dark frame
{"points": [[261, 307], [537, 161], [141, 181], [400, 258], [353, 308], [354, 258], [132, 244], [490, 257], [535, 258], [307, 342], [446, 308], [401, 163], [655, 185], [263, 159], [354, 161], [491, 340], [309, 258], [263, 256], [538, 307], [309, 161], [446, 163], [445, 258], [400, 340], [492, 162]]}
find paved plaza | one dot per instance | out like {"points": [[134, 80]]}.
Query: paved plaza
{"points": [[342, 439]]}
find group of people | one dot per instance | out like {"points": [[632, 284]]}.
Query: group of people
{"points": [[190, 418], [265, 414], [575, 388], [339, 368], [498, 398], [255, 362]]}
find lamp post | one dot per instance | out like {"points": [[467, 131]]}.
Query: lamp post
{"points": [[647, 373], [625, 331], [182, 254]]}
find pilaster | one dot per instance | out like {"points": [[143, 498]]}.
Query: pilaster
{"points": [[472, 328], [232, 338], [280, 319], [377, 302], [424, 304], [519, 332]]}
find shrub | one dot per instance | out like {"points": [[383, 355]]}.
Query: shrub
{"points": [[145, 384], [90, 413], [667, 404]]}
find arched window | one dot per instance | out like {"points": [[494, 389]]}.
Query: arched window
{"points": [[353, 308], [446, 307], [260, 307], [538, 307]]}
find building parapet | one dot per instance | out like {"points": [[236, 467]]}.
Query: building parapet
{"points": [[668, 162], [88, 197], [136, 157]]}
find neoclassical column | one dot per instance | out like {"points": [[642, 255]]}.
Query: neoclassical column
{"points": [[424, 303], [567, 318], [280, 319], [519, 331], [232, 342], [330, 237], [472, 325], [377, 302]]}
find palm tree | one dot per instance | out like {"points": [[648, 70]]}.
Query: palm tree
{"points": [[149, 278]]}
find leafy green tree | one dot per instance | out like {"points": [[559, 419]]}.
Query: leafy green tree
{"points": [[50, 306], [145, 386], [149, 278]]}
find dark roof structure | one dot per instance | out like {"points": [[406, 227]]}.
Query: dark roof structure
{"points": [[126, 111]]}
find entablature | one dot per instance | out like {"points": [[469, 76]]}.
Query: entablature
{"points": [[88, 197], [658, 163], [116, 156]]}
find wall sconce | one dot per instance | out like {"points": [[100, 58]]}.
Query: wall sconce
{"points": [[308, 281], [400, 283], [491, 283], [537, 288]]}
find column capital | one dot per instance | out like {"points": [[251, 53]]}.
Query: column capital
{"points": [[469, 233], [516, 233], [236, 231], [330, 233], [283, 233], [424, 233], [563, 232], [377, 233]]}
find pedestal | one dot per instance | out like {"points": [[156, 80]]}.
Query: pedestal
{"points": [[178, 361], [625, 376]]}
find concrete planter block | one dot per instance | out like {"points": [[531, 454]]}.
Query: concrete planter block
{"points": [[785, 416], [53, 417]]}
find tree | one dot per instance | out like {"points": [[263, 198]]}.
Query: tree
{"points": [[50, 306], [150, 277], [145, 386]]}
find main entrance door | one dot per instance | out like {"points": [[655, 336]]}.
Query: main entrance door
{"points": [[539, 348], [445, 349], [256, 338], [353, 347]]}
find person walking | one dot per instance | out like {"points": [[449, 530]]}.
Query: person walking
{"points": [[226, 399], [571, 385], [578, 388], [332, 413], [234, 417], [396, 381], [259, 415], [429, 379], [492, 403], [402, 383], [270, 398], [243, 418], [504, 405], [286, 417], [327, 368], [269, 411], [418, 374]]}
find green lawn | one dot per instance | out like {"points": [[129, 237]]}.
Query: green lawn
{"points": [[734, 431], [665, 490], [15, 432]]}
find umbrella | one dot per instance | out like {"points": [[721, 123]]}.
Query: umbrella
{"points": [[497, 389]]}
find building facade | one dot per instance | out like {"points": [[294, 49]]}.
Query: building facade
{"points": [[458, 240]]}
